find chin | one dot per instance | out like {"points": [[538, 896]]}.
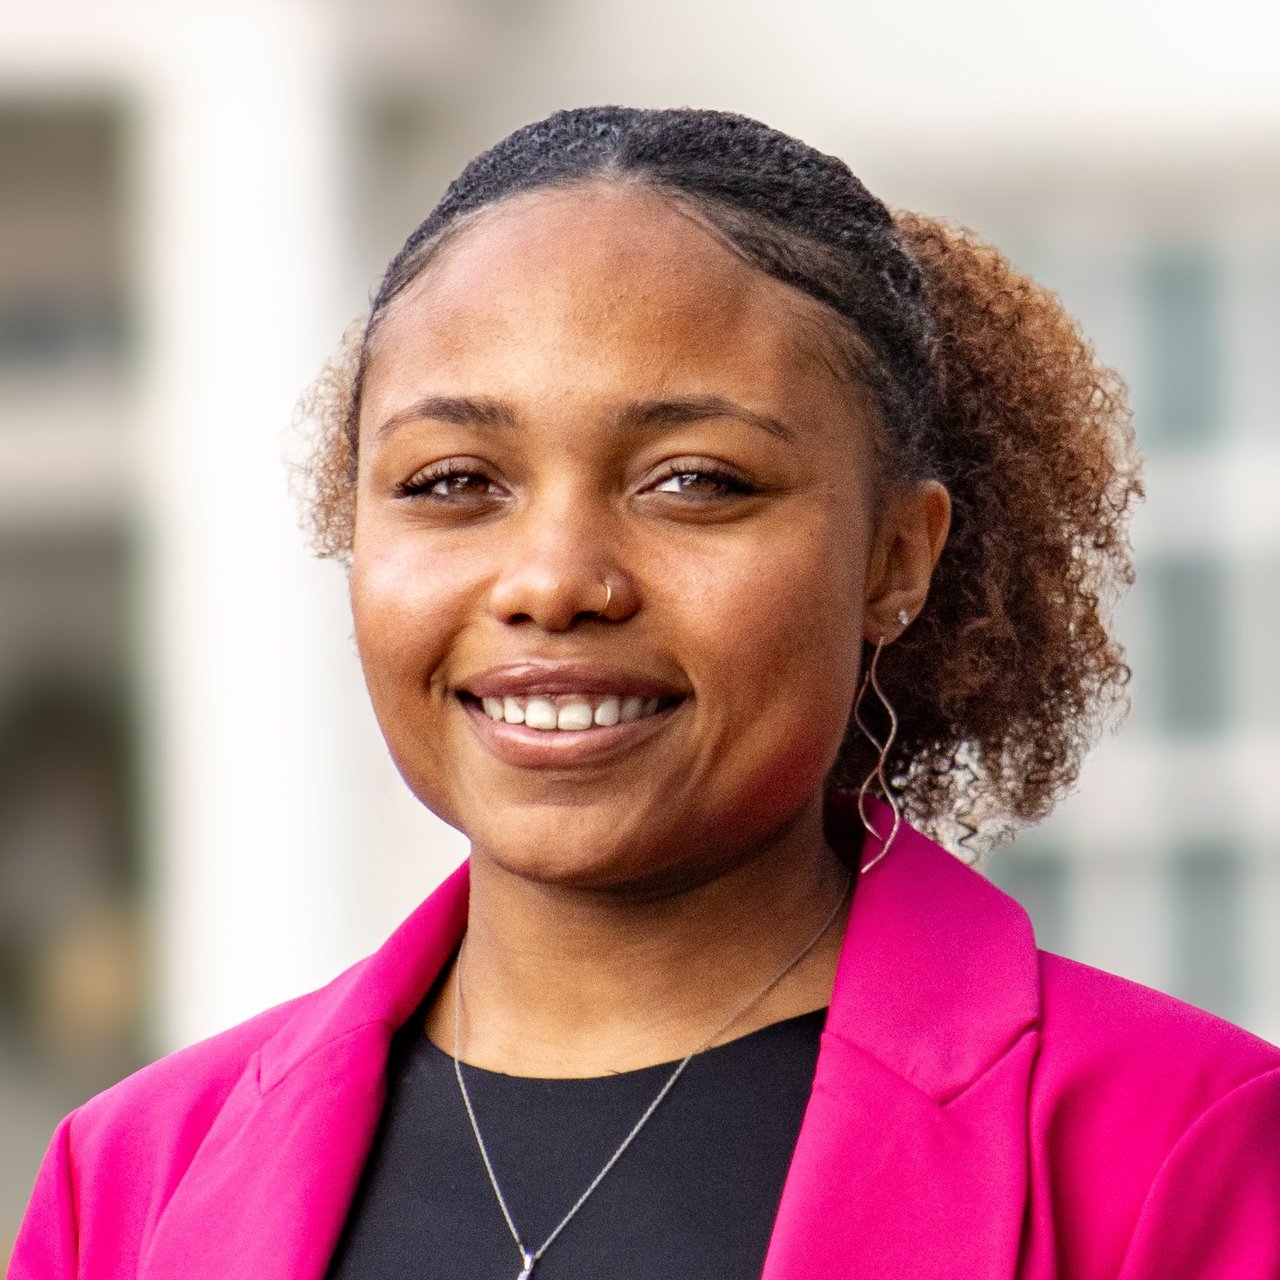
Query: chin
{"points": [[560, 848]]}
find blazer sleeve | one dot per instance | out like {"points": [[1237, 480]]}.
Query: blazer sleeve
{"points": [[1214, 1207], [47, 1247]]}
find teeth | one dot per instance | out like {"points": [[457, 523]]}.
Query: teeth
{"points": [[540, 713], [569, 712], [574, 715]]}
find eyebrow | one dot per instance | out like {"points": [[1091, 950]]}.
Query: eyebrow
{"points": [[676, 411], [462, 411], [671, 411]]}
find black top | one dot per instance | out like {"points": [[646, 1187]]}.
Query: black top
{"points": [[693, 1198]]}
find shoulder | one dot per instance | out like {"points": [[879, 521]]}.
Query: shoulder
{"points": [[181, 1094], [1101, 1030], [1152, 1121], [225, 1104], [114, 1162], [170, 1103], [134, 1142], [186, 1088], [157, 1117]]}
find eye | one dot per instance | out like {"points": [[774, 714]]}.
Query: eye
{"points": [[702, 480], [449, 481]]}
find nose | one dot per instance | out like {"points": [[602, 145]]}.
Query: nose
{"points": [[561, 567]]}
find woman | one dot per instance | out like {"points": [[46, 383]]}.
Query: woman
{"points": [[682, 486]]}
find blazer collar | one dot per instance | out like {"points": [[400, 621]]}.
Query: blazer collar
{"points": [[938, 973], [911, 1161], [936, 992]]}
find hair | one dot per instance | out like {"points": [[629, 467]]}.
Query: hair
{"points": [[979, 378]]}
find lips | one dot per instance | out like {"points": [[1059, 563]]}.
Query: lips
{"points": [[532, 678]]}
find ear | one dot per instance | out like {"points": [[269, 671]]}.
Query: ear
{"points": [[910, 534]]}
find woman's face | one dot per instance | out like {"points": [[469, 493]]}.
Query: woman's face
{"points": [[586, 388]]}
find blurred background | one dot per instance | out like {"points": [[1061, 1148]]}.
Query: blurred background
{"points": [[197, 816]]}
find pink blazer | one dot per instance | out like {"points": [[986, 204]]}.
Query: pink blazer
{"points": [[980, 1110]]}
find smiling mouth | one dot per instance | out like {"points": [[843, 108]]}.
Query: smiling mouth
{"points": [[570, 712]]}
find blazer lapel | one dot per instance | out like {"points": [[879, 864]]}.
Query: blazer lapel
{"points": [[911, 1160], [268, 1191]]}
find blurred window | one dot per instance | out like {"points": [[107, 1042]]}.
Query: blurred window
{"points": [[1189, 626], [63, 268], [69, 849], [1181, 289], [1208, 886]]}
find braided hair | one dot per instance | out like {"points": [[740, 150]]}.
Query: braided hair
{"points": [[979, 379]]}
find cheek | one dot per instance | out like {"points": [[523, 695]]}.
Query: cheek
{"points": [[404, 605], [796, 604], [778, 625]]}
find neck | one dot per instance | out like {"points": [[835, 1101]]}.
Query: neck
{"points": [[559, 981]]}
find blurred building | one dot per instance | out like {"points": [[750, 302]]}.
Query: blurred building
{"points": [[197, 816]]}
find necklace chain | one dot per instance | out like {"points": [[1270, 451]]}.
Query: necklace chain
{"points": [[529, 1257]]}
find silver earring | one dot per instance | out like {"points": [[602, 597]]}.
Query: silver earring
{"points": [[877, 774]]}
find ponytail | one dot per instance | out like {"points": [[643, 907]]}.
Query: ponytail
{"points": [[1011, 671]]}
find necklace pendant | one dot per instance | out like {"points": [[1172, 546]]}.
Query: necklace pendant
{"points": [[529, 1262]]}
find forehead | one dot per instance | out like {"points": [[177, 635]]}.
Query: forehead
{"points": [[603, 281]]}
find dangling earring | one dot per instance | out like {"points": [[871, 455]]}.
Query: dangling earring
{"points": [[877, 774]]}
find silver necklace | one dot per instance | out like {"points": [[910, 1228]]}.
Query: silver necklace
{"points": [[529, 1257]]}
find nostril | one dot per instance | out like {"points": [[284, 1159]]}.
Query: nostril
{"points": [[557, 588]]}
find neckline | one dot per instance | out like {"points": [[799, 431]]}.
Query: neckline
{"points": [[425, 1046]]}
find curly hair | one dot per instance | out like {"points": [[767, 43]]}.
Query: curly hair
{"points": [[980, 380]]}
